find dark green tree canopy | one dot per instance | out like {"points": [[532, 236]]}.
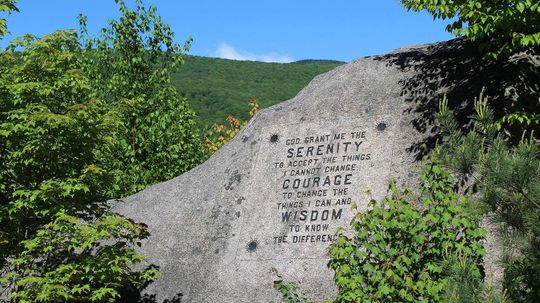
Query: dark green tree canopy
{"points": [[502, 27]]}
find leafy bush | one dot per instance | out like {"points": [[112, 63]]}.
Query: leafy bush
{"points": [[401, 242], [410, 247], [502, 27], [73, 261], [288, 291]]}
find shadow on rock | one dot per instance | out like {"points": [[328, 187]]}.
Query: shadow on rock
{"points": [[152, 299], [139, 296], [457, 69]]}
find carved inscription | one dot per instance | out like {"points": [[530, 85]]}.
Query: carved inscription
{"points": [[317, 174], [304, 181]]}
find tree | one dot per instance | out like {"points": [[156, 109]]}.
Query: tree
{"points": [[51, 132], [221, 134], [53, 227], [501, 27], [508, 178], [131, 63]]}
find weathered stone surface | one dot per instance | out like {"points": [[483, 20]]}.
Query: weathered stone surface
{"points": [[220, 229]]}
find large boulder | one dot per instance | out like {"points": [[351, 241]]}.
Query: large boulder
{"points": [[272, 198]]}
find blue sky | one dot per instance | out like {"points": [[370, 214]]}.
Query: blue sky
{"points": [[276, 31]]}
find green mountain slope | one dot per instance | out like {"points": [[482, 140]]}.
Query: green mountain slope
{"points": [[218, 87]]}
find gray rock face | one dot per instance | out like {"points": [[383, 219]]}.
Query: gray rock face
{"points": [[274, 196]]}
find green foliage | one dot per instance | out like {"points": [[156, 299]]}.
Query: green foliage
{"points": [[78, 126], [523, 119], [219, 87], [53, 138], [502, 27], [464, 283], [401, 242], [51, 135], [95, 255], [288, 291], [6, 6], [508, 178], [131, 64]]}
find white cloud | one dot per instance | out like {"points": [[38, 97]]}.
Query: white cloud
{"points": [[226, 51]]}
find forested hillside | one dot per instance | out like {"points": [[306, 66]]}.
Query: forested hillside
{"points": [[218, 87]]}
